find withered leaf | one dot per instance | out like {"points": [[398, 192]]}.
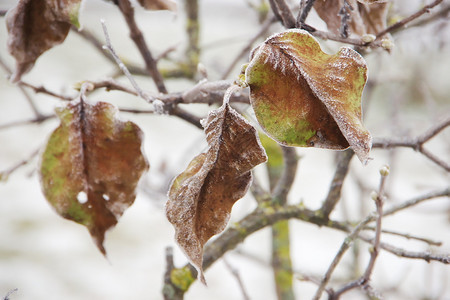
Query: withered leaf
{"points": [[158, 4], [304, 97], [34, 26], [91, 166], [201, 198], [365, 18]]}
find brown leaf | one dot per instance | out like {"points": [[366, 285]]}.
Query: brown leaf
{"points": [[158, 4], [34, 26], [91, 166], [305, 97], [201, 198], [364, 18]]}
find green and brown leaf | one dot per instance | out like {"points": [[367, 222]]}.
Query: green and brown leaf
{"points": [[304, 97], [91, 166]]}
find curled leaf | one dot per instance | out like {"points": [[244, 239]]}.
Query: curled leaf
{"points": [[91, 166], [34, 26], [201, 198], [304, 97]]}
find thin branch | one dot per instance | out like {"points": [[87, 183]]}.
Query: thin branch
{"points": [[27, 122], [418, 143], [98, 44], [334, 193], [238, 278], [193, 34], [283, 186], [29, 99], [122, 66], [426, 256], [408, 236], [136, 35], [364, 280], [10, 293], [406, 20], [414, 201], [262, 31], [5, 174], [43, 90], [344, 247], [303, 13], [283, 12]]}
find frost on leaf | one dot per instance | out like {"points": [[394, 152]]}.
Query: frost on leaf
{"points": [[34, 26], [158, 4], [91, 166], [366, 17], [304, 97], [201, 198]]}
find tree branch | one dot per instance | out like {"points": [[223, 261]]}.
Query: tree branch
{"points": [[137, 37], [418, 143], [283, 13], [405, 21], [334, 193]]}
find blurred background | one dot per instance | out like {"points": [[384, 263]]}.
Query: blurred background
{"points": [[47, 257]]}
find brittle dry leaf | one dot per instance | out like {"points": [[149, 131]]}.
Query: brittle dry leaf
{"points": [[34, 26], [201, 198], [365, 18], [304, 97], [158, 4], [91, 166]]}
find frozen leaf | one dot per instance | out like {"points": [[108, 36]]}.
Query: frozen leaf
{"points": [[34, 26], [201, 198], [304, 97], [365, 18], [91, 166], [158, 4]]}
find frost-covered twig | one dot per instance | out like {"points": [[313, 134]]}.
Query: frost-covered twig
{"points": [[406, 20], [283, 13], [138, 38], [304, 12], [238, 278], [364, 280], [418, 143]]}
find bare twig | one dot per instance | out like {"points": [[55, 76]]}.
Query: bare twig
{"points": [[27, 122], [122, 66], [29, 99], [283, 13], [98, 44], [304, 12], [408, 236], [10, 293], [193, 33], [364, 280], [406, 20], [43, 90], [334, 193], [5, 174], [426, 256], [418, 143], [416, 200], [136, 35], [238, 278], [344, 247], [262, 31]]}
